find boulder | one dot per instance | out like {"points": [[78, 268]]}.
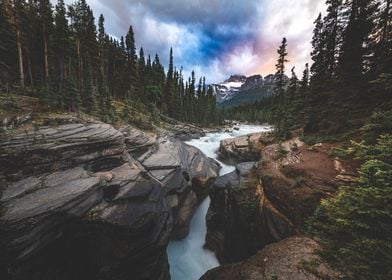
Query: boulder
{"points": [[240, 149], [86, 201], [183, 170], [240, 219], [292, 258]]}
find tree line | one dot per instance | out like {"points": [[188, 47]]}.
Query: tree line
{"points": [[348, 87], [59, 54], [350, 76]]}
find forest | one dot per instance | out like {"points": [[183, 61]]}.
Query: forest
{"points": [[350, 75], [59, 55], [344, 95]]}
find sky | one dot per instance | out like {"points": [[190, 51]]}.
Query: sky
{"points": [[216, 38]]}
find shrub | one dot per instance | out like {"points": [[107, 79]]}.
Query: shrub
{"points": [[380, 123], [355, 227], [280, 152]]}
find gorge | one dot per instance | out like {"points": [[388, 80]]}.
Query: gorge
{"points": [[187, 258]]}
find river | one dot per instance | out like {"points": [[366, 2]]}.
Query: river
{"points": [[187, 258]]}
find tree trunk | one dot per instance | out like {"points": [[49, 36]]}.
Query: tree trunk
{"points": [[20, 54], [46, 53]]}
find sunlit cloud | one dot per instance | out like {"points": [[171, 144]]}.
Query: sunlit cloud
{"points": [[216, 38]]}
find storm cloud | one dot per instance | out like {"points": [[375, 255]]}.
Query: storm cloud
{"points": [[216, 38]]}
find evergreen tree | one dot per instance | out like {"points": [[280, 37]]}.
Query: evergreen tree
{"points": [[46, 24], [132, 60], [318, 68], [332, 35], [280, 117], [142, 75], [62, 50], [381, 55], [18, 17], [168, 92], [8, 53], [360, 16], [355, 226]]}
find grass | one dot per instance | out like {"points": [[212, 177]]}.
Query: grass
{"points": [[339, 152], [280, 152], [314, 139], [291, 172], [312, 266]]}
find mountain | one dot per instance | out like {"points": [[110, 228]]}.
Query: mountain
{"points": [[240, 89], [226, 90]]}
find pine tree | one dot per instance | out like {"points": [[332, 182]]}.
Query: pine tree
{"points": [[46, 23], [132, 60], [168, 91], [8, 53], [318, 68], [332, 35], [381, 55], [18, 23], [281, 119], [360, 15], [84, 29], [141, 92], [62, 48]]}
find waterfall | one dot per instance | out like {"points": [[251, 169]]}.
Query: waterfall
{"points": [[187, 258]]}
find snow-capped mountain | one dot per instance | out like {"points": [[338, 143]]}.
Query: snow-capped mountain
{"points": [[226, 90], [253, 88]]}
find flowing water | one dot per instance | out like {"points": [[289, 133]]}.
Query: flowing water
{"points": [[187, 258]]}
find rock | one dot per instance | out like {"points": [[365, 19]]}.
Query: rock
{"points": [[292, 258], [53, 148], [236, 128], [78, 205], [240, 149], [184, 215], [240, 219], [182, 131], [183, 170]]}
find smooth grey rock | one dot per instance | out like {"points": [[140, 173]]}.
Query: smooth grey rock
{"points": [[77, 205]]}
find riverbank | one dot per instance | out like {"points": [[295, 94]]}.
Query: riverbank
{"points": [[269, 205], [82, 199], [188, 258]]}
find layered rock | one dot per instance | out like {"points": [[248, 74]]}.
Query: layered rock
{"points": [[292, 258], [268, 205], [86, 201], [243, 148], [241, 220]]}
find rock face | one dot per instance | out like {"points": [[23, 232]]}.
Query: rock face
{"points": [[240, 219], [87, 201], [292, 258], [251, 208], [253, 82], [242, 148]]}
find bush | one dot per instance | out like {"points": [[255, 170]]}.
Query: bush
{"points": [[291, 172], [280, 152], [380, 123], [355, 227]]}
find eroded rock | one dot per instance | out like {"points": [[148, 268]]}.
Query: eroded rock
{"points": [[292, 258], [78, 205], [240, 219], [242, 148]]}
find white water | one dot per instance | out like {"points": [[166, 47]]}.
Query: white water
{"points": [[187, 258]]}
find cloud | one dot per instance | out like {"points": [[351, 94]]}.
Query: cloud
{"points": [[216, 38]]}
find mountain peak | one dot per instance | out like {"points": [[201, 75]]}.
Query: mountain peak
{"points": [[236, 79]]}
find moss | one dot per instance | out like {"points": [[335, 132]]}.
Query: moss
{"points": [[340, 153], [298, 181], [280, 152], [312, 267], [291, 172], [314, 139]]}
